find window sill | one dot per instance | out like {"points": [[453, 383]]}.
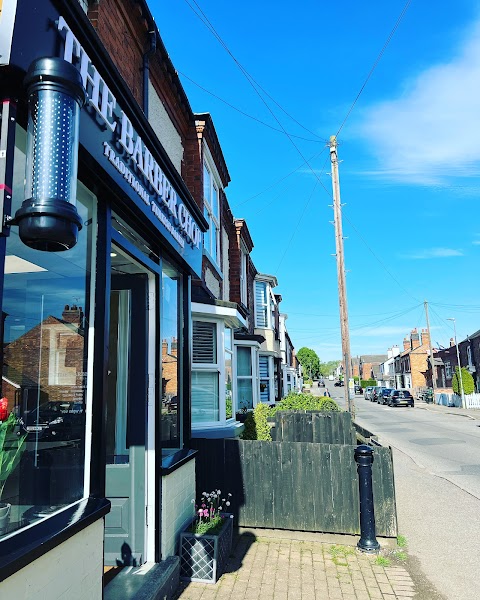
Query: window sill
{"points": [[22, 548], [172, 462]]}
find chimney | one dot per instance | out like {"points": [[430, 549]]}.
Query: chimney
{"points": [[425, 338], [389, 353], [395, 351], [452, 342], [72, 314], [406, 344], [415, 339]]}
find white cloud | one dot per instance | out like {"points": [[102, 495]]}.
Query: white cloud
{"points": [[433, 253], [430, 132], [476, 242]]}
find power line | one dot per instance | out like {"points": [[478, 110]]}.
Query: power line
{"points": [[205, 20], [244, 113], [377, 60]]}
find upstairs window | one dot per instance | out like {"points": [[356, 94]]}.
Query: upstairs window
{"points": [[448, 370], [211, 238], [261, 304], [243, 276]]}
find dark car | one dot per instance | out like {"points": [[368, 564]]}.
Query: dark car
{"points": [[358, 389], [400, 398], [383, 395], [52, 420], [339, 383], [375, 393], [321, 383]]}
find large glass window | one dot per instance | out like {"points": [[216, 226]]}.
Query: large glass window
{"points": [[211, 212], [261, 304], [171, 315], [205, 373], [46, 324]]}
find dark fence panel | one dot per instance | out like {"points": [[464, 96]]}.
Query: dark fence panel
{"points": [[300, 486], [314, 426]]}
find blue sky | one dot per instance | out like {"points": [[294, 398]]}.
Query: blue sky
{"points": [[410, 153]]}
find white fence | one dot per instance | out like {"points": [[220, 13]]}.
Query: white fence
{"points": [[471, 400]]}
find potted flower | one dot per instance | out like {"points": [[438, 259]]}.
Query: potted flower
{"points": [[206, 543], [11, 447]]}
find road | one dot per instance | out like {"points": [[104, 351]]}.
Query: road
{"points": [[437, 479]]}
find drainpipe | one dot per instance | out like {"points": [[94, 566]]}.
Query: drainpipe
{"points": [[146, 67]]}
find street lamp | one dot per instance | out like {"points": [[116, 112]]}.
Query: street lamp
{"points": [[459, 365]]}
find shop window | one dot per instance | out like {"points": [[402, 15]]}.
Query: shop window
{"points": [[205, 373], [46, 367], [244, 378], [171, 328], [211, 238]]}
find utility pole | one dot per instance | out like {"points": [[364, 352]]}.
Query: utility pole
{"points": [[430, 350], [342, 288]]}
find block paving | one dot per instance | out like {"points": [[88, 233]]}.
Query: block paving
{"points": [[275, 568]]}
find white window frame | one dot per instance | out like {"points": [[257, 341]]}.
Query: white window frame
{"points": [[254, 376], [269, 305], [214, 367], [211, 199], [219, 368], [270, 379], [448, 369], [469, 356]]}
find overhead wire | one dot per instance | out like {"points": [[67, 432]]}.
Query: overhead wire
{"points": [[245, 114]]}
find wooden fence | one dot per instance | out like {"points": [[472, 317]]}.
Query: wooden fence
{"points": [[314, 426], [300, 486]]}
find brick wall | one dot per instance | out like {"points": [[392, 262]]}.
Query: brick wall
{"points": [[418, 366]]}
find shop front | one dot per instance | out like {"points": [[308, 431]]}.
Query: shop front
{"points": [[100, 239]]}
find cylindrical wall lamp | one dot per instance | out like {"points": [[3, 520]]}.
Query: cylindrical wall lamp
{"points": [[48, 219]]}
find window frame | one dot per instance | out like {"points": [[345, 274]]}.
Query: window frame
{"points": [[213, 367], [243, 274], [209, 205]]}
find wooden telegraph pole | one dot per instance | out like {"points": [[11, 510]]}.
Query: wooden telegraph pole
{"points": [[342, 288], [430, 350]]}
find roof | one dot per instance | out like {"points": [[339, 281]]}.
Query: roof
{"points": [[373, 358]]}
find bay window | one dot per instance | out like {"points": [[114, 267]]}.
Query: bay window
{"points": [[205, 373], [245, 378], [229, 391]]}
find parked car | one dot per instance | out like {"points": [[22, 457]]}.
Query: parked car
{"points": [[400, 398], [358, 389], [375, 393], [368, 392], [383, 395], [339, 383], [55, 420]]}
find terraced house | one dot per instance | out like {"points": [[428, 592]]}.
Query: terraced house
{"points": [[132, 314]]}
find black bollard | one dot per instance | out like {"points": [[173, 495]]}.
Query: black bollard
{"points": [[364, 460]]}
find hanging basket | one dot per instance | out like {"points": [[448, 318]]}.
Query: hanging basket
{"points": [[203, 557]]}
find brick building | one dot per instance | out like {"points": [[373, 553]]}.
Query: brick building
{"points": [[411, 364]]}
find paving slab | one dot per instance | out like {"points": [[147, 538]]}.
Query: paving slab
{"points": [[280, 565]]}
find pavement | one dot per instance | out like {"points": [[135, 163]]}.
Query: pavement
{"points": [[286, 565], [450, 410]]}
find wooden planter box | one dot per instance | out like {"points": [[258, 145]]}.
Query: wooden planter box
{"points": [[203, 558]]}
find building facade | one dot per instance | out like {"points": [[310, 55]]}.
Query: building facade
{"points": [[96, 269]]}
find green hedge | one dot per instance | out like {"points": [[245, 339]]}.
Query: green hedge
{"points": [[368, 383], [256, 424]]}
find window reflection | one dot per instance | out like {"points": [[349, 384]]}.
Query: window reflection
{"points": [[171, 355], [44, 327]]}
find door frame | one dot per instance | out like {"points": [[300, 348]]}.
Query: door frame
{"points": [[152, 485]]}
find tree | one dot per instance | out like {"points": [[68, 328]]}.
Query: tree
{"points": [[467, 380], [327, 368], [310, 362]]}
